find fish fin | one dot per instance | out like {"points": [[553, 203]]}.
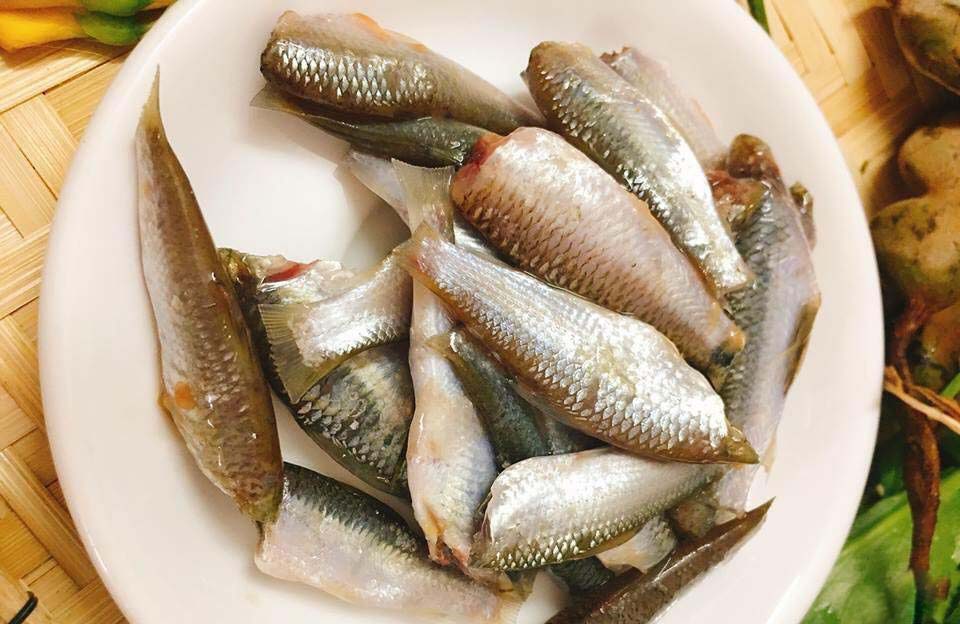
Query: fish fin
{"points": [[442, 343], [803, 200], [427, 196], [377, 174], [736, 448], [295, 375], [150, 120], [801, 336], [272, 98], [510, 603]]}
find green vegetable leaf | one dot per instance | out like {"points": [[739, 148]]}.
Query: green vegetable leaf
{"points": [[871, 583]]}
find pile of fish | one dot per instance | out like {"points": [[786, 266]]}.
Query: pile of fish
{"points": [[574, 364]]}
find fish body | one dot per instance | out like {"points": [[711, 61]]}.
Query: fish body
{"points": [[378, 175], [517, 431], [654, 541], [308, 340], [348, 544], [212, 384], [653, 80], [359, 413], [426, 141], [547, 510], [555, 213], [450, 463], [620, 129], [776, 313], [636, 597], [348, 63], [608, 375]]}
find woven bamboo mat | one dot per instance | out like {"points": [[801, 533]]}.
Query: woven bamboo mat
{"points": [[844, 49]]}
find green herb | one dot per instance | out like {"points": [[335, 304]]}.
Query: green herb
{"points": [[759, 13], [871, 583], [952, 388]]}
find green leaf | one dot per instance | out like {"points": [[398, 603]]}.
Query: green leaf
{"points": [[871, 583], [116, 7]]}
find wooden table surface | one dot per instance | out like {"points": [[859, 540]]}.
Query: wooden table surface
{"points": [[843, 49]]}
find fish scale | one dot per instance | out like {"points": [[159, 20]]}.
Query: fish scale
{"points": [[360, 413], [372, 71], [551, 509], [346, 543], [777, 312], [558, 215], [213, 387], [636, 143], [614, 368]]}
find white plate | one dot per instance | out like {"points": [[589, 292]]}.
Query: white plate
{"points": [[172, 548]]}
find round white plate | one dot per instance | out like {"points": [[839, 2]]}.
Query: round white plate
{"points": [[170, 547]]}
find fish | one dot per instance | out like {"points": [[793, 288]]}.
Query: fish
{"points": [[625, 133], [557, 508], [648, 547], [555, 213], [426, 141], [379, 175], [516, 430], [338, 539], [359, 413], [309, 340], [450, 462], [653, 80], [349, 63], [777, 312], [608, 375], [213, 387], [636, 597]]}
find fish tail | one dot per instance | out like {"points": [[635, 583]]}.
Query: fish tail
{"points": [[427, 196], [296, 376]]}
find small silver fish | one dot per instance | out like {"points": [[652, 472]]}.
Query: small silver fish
{"points": [[347, 62], [213, 387], [308, 340], [557, 508], [450, 462], [557, 214], [359, 413], [425, 141], [338, 539], [608, 375], [620, 129], [653, 80], [777, 313]]}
